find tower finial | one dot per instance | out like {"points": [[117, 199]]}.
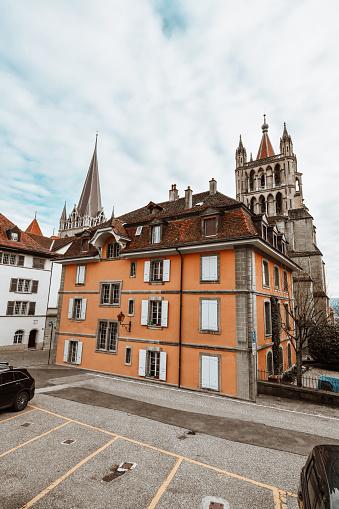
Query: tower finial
{"points": [[35, 215]]}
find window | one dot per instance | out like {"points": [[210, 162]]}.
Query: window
{"points": [[38, 263], [128, 355], [287, 317], [77, 308], [12, 259], [156, 230], [20, 308], [209, 316], [276, 278], [138, 231], [18, 336], [262, 181], [210, 226], [80, 275], [73, 351], [209, 269], [132, 269], [107, 336], [15, 236], [157, 271], [269, 363], [5, 259], [210, 366], [264, 231], [84, 244], [154, 312], [113, 250], [289, 356], [275, 240], [110, 292], [130, 308], [285, 281], [267, 318], [23, 286], [152, 363], [265, 274]]}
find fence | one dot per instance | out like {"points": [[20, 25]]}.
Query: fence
{"points": [[290, 378]]}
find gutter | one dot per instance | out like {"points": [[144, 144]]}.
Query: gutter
{"points": [[180, 316]]}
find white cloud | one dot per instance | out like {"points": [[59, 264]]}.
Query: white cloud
{"points": [[169, 86]]}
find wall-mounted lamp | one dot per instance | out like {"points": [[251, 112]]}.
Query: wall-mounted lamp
{"points": [[121, 318]]}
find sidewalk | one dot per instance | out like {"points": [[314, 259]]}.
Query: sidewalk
{"points": [[25, 358]]}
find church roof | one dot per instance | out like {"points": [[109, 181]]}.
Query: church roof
{"points": [[265, 149], [90, 199], [34, 228]]}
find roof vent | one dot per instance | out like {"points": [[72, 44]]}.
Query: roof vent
{"points": [[138, 231]]}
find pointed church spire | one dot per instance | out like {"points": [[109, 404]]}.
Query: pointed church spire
{"points": [[240, 154], [265, 149], [90, 199], [63, 214], [286, 145]]}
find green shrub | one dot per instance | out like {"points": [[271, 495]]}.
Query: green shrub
{"points": [[324, 344]]}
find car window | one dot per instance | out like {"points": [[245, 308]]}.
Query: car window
{"points": [[315, 494], [19, 375], [7, 377]]}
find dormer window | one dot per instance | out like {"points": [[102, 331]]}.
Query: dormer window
{"points": [[210, 226], [283, 247], [275, 240], [113, 250], [264, 231], [156, 234], [15, 236], [84, 245]]}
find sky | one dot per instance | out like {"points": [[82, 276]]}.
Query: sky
{"points": [[169, 85]]}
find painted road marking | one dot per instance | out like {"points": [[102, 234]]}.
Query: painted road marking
{"points": [[35, 438], [279, 496], [18, 415], [165, 484], [64, 476]]}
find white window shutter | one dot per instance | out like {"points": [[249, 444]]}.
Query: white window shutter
{"points": [[205, 268], [66, 350], [82, 269], [205, 371], [79, 352], [142, 363], [162, 372], [164, 313], [70, 308], [147, 271], [213, 268], [213, 315], [214, 373], [166, 270], [144, 312], [83, 309], [204, 315]]}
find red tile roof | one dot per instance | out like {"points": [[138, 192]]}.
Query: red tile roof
{"points": [[265, 149], [34, 228], [26, 243]]}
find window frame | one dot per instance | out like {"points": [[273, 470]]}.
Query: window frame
{"points": [[285, 281], [128, 356], [113, 250], [79, 282], [20, 333], [276, 277], [156, 234], [209, 280], [131, 302], [203, 330], [111, 304], [267, 316], [146, 314], [132, 268], [109, 324], [205, 223], [38, 263], [265, 263]]}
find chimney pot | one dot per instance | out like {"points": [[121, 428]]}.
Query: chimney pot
{"points": [[188, 198], [173, 193]]}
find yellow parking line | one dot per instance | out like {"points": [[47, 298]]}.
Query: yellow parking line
{"points": [[64, 476], [18, 415], [35, 438], [274, 489], [165, 484]]}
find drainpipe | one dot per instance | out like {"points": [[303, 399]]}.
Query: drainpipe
{"points": [[180, 317]]}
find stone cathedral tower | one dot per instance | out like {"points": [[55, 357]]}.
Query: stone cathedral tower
{"points": [[272, 185]]}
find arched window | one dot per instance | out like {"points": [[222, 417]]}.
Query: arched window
{"points": [[269, 363], [252, 175], [289, 356], [270, 205], [278, 203], [18, 337], [262, 205], [253, 204], [262, 181], [277, 180]]}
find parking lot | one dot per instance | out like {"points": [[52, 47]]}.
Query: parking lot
{"points": [[52, 458]]}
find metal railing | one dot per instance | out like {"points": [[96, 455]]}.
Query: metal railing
{"points": [[290, 378]]}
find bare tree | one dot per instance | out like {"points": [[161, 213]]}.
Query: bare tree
{"points": [[301, 315]]}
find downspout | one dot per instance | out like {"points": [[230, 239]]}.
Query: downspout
{"points": [[180, 317]]}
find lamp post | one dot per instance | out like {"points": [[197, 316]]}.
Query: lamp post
{"points": [[121, 318], [50, 342]]}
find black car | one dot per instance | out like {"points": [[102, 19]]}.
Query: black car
{"points": [[16, 387], [319, 479]]}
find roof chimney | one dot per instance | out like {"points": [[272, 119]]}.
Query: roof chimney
{"points": [[213, 186], [188, 198], [173, 193]]}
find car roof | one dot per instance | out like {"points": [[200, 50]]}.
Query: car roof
{"points": [[329, 456]]}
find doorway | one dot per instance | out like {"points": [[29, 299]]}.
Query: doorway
{"points": [[32, 339]]}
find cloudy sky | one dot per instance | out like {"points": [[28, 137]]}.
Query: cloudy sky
{"points": [[169, 85]]}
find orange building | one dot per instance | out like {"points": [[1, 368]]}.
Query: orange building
{"points": [[179, 292]]}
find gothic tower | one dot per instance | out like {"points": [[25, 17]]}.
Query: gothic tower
{"points": [[89, 211], [272, 185]]}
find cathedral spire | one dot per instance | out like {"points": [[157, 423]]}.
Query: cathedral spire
{"points": [[240, 154], [90, 199], [265, 149]]}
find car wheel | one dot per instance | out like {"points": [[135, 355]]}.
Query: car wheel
{"points": [[20, 401]]}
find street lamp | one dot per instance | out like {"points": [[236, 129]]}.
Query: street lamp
{"points": [[121, 318]]}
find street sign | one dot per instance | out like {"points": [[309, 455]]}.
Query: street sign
{"points": [[254, 343], [50, 324]]}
